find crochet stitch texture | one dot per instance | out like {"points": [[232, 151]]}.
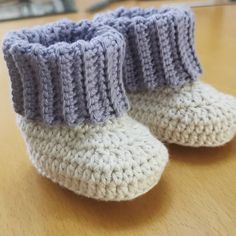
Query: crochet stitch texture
{"points": [[116, 160], [160, 46], [194, 114], [67, 72], [68, 90]]}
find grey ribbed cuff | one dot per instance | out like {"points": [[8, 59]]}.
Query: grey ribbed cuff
{"points": [[67, 72], [159, 46]]}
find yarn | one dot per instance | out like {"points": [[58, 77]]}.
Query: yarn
{"points": [[194, 114], [117, 160], [67, 72], [159, 46], [160, 73], [68, 91]]}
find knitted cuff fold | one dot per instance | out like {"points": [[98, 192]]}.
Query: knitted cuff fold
{"points": [[159, 46], [67, 72]]}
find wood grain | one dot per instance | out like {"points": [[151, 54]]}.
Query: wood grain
{"points": [[196, 196]]}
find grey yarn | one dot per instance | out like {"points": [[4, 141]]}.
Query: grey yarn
{"points": [[159, 46], [67, 72]]}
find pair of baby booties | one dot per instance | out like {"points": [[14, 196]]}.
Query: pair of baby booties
{"points": [[74, 82]]}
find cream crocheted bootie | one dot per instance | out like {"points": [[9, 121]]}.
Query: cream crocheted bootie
{"points": [[117, 160], [194, 114], [160, 74], [68, 92]]}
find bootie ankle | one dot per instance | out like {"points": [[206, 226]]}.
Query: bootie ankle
{"points": [[69, 95], [161, 72]]}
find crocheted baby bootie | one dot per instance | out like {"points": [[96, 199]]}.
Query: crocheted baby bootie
{"points": [[194, 114], [160, 74], [68, 92]]}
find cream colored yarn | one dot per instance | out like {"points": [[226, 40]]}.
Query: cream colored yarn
{"points": [[194, 114], [117, 160]]}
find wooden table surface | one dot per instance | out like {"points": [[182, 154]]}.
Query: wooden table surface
{"points": [[196, 195]]}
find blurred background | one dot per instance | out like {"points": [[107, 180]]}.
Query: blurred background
{"points": [[18, 9]]}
